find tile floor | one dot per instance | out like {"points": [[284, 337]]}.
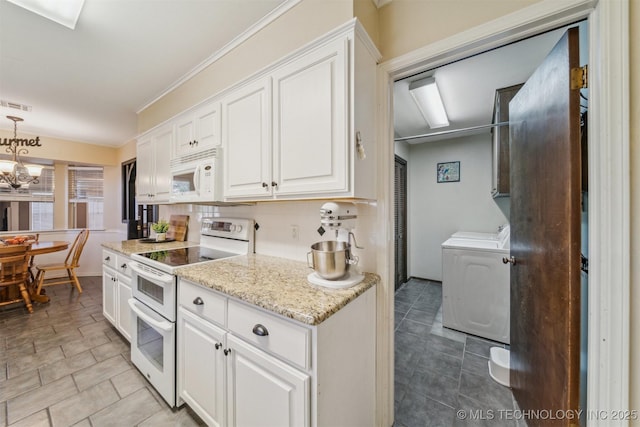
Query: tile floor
{"points": [[441, 376], [66, 365]]}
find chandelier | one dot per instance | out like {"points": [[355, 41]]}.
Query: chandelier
{"points": [[14, 172]]}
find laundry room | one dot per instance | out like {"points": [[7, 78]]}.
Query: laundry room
{"points": [[453, 254]]}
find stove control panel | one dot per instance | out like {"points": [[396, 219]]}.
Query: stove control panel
{"points": [[230, 228]]}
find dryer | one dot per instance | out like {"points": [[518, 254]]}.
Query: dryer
{"points": [[475, 286]]}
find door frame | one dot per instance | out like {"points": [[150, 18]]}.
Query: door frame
{"points": [[609, 196]]}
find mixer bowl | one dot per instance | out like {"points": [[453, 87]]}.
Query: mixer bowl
{"points": [[331, 259]]}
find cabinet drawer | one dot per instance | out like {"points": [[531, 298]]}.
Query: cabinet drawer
{"points": [[122, 265], [109, 259], [281, 337], [202, 301]]}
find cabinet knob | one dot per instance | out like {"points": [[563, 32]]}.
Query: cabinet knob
{"points": [[108, 258], [511, 260], [274, 184], [195, 142], [124, 266], [218, 346], [260, 330], [198, 301], [227, 351], [265, 185]]}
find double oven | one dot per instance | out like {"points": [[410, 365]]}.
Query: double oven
{"points": [[154, 302]]}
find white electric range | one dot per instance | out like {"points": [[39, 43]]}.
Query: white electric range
{"points": [[154, 302]]}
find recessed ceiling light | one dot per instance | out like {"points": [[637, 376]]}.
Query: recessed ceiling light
{"points": [[64, 12]]}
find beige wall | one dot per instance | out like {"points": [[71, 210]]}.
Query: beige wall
{"points": [[406, 25], [305, 22], [634, 18], [67, 151]]}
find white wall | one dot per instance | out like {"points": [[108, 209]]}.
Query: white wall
{"points": [[274, 236], [438, 210]]}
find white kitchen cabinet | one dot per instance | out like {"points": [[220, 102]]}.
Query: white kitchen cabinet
{"points": [[201, 367], [116, 291], [153, 157], [246, 136], [322, 117], [275, 371], [197, 130], [264, 390]]}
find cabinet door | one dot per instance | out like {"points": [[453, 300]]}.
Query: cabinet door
{"points": [[109, 288], [201, 367], [123, 309], [263, 391], [162, 146], [310, 104], [184, 135], [207, 127], [145, 175], [246, 136]]}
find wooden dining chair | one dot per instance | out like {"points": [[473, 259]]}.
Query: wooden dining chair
{"points": [[71, 262], [14, 271]]}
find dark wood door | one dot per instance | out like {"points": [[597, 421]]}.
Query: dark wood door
{"points": [[400, 209], [545, 175]]}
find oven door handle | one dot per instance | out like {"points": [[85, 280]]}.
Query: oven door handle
{"points": [[162, 325], [162, 278]]}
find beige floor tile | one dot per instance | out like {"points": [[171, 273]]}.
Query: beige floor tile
{"points": [[38, 399], [78, 407], [83, 344], [168, 418], [110, 349]]}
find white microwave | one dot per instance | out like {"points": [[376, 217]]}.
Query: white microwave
{"points": [[196, 181]]}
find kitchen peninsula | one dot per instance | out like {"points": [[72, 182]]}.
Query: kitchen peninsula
{"points": [[257, 343]]}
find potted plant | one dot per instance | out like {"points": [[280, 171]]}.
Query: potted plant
{"points": [[161, 227]]}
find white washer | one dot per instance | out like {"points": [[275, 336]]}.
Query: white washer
{"points": [[475, 287]]}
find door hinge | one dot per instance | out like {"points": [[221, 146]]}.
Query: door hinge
{"points": [[579, 77]]}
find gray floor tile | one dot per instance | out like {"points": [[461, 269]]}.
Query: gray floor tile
{"points": [[110, 349], [420, 411], [33, 361], [480, 346], [475, 364], [472, 413], [441, 363], [19, 384], [415, 328], [128, 382], [83, 344], [29, 403], [438, 387], [101, 371], [78, 407], [445, 345], [168, 418], [64, 367], [129, 411], [3, 414], [39, 419], [483, 389], [422, 316]]}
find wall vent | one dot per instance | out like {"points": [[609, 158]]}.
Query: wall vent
{"points": [[15, 105]]}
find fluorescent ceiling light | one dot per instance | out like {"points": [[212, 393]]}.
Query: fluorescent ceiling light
{"points": [[64, 12], [427, 96]]}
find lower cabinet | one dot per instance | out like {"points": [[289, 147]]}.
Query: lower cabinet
{"points": [[116, 291], [239, 365]]}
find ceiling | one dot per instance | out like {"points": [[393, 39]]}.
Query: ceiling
{"points": [[468, 88], [87, 84]]}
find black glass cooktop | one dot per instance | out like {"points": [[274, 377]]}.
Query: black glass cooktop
{"points": [[185, 256]]}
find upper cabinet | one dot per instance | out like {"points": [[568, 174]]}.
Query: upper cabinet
{"points": [[153, 179], [302, 128], [197, 130], [305, 129], [500, 142], [246, 139]]}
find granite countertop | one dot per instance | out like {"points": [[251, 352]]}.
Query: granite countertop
{"points": [[128, 247], [275, 284]]}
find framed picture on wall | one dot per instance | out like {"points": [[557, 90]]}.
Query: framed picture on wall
{"points": [[448, 172]]}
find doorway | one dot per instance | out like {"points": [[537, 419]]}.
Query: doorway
{"points": [[400, 218], [608, 174]]}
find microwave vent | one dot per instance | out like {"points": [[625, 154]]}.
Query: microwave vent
{"points": [[211, 153]]}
